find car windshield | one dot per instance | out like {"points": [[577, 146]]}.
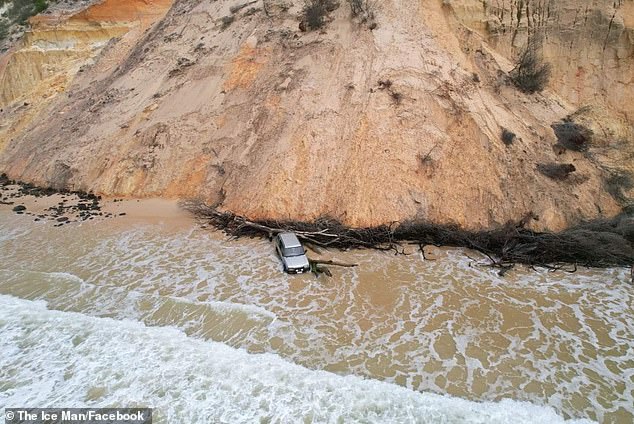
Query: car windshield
{"points": [[293, 251]]}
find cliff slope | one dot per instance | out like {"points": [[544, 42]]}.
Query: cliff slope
{"points": [[241, 107]]}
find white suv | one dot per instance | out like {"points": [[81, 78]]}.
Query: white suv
{"points": [[291, 253]]}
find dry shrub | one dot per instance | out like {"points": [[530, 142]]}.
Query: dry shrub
{"points": [[531, 74], [508, 137], [572, 136], [227, 20], [556, 171], [315, 12], [397, 97], [617, 183], [365, 10], [387, 85]]}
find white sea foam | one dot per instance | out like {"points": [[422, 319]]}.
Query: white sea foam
{"points": [[64, 358], [65, 290]]}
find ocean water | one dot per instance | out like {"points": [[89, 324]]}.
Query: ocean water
{"points": [[67, 358], [206, 329]]}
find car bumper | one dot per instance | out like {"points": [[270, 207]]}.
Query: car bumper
{"points": [[298, 271]]}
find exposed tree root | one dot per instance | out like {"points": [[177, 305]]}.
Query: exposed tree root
{"points": [[600, 243]]}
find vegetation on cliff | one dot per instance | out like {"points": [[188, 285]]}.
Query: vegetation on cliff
{"points": [[531, 74], [16, 12]]}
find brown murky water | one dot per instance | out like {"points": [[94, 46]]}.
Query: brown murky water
{"points": [[447, 324]]}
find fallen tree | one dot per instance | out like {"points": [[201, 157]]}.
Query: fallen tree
{"points": [[598, 243]]}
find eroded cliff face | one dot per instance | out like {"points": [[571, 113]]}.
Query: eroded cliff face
{"points": [[368, 126], [589, 43], [61, 44]]}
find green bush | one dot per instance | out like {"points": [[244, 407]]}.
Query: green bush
{"points": [[21, 10], [40, 6]]}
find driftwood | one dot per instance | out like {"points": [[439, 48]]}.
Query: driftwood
{"points": [[331, 262], [599, 243], [323, 233], [316, 268]]}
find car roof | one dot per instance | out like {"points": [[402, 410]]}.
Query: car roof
{"points": [[289, 240]]}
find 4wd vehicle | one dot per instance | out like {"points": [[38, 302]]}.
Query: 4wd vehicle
{"points": [[291, 253]]}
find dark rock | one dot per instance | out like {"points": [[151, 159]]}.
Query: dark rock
{"points": [[62, 219], [19, 208]]}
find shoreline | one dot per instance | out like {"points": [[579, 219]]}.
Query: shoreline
{"points": [[593, 244], [64, 207]]}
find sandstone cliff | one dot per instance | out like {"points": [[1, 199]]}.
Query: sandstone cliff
{"points": [[370, 126]]}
